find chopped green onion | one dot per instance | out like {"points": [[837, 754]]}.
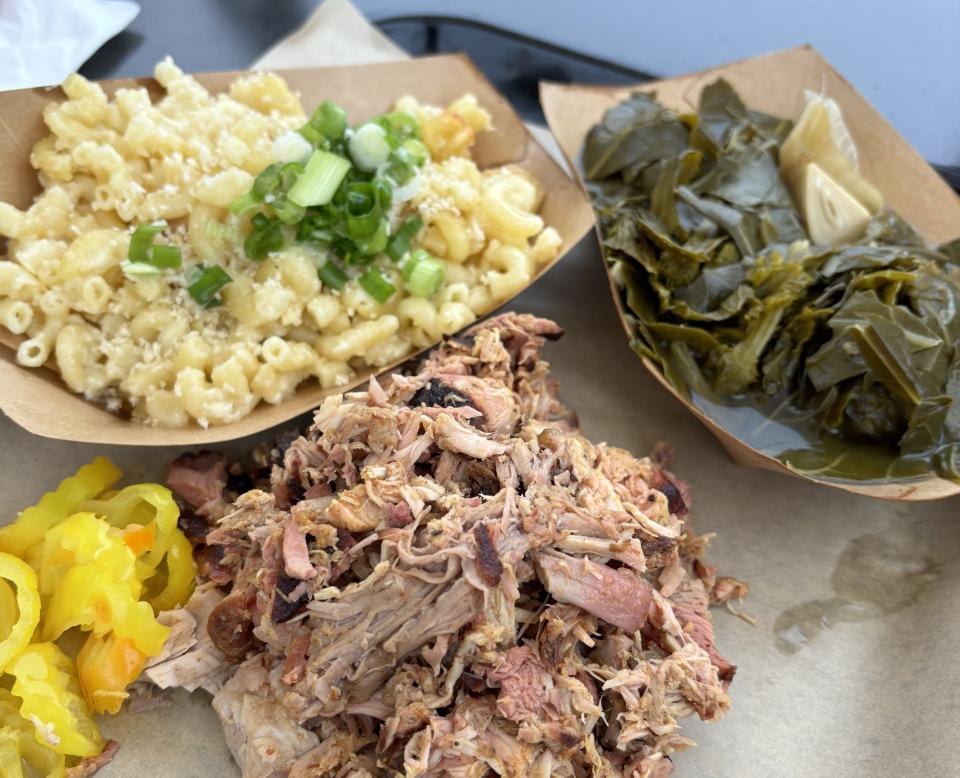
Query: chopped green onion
{"points": [[329, 120], [135, 270], [142, 250], [399, 243], [274, 181], [315, 227], [165, 256], [426, 277], [289, 174], [359, 198], [266, 236], [267, 182], [206, 283], [312, 135], [342, 247], [415, 258], [291, 147], [369, 148], [363, 214], [376, 285], [400, 166], [363, 227], [307, 234], [288, 212], [332, 276], [417, 150], [400, 125], [404, 161], [375, 243], [142, 240], [384, 189], [320, 179], [243, 203]]}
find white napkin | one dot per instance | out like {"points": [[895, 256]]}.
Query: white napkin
{"points": [[335, 34], [43, 41]]}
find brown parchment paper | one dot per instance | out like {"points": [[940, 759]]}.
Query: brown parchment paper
{"points": [[876, 697], [38, 400], [775, 83]]}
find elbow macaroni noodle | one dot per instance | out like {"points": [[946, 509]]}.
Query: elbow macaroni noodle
{"points": [[142, 346]]}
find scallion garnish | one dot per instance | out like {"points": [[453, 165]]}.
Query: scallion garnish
{"points": [[267, 182], [205, 284], [142, 241], [384, 189], [426, 277], [370, 247], [165, 256], [399, 243], [359, 198], [399, 125], [332, 275], [289, 174], [316, 228], [376, 285], [243, 203], [320, 180], [416, 258], [400, 166], [369, 147], [340, 200], [266, 236], [288, 212], [418, 152], [135, 270], [142, 250], [364, 215], [328, 122]]}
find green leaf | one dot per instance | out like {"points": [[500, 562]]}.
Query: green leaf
{"points": [[891, 228], [780, 225], [739, 367], [749, 177], [712, 287], [663, 203], [742, 226], [926, 425], [633, 132]]}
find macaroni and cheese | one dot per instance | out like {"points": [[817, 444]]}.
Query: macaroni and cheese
{"points": [[141, 345]]}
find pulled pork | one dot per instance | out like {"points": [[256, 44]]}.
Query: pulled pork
{"points": [[444, 578]]}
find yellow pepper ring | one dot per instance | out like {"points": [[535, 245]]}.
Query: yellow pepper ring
{"points": [[22, 576]]}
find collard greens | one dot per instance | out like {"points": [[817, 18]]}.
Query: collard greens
{"points": [[853, 347]]}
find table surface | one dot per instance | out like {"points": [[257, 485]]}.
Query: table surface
{"points": [[850, 668]]}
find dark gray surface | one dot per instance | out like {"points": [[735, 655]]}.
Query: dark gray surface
{"points": [[903, 57], [200, 35]]}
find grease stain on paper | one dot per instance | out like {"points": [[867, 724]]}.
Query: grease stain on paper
{"points": [[875, 575]]}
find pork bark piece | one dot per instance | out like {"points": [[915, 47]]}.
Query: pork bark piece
{"points": [[199, 478], [488, 563], [230, 624]]}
